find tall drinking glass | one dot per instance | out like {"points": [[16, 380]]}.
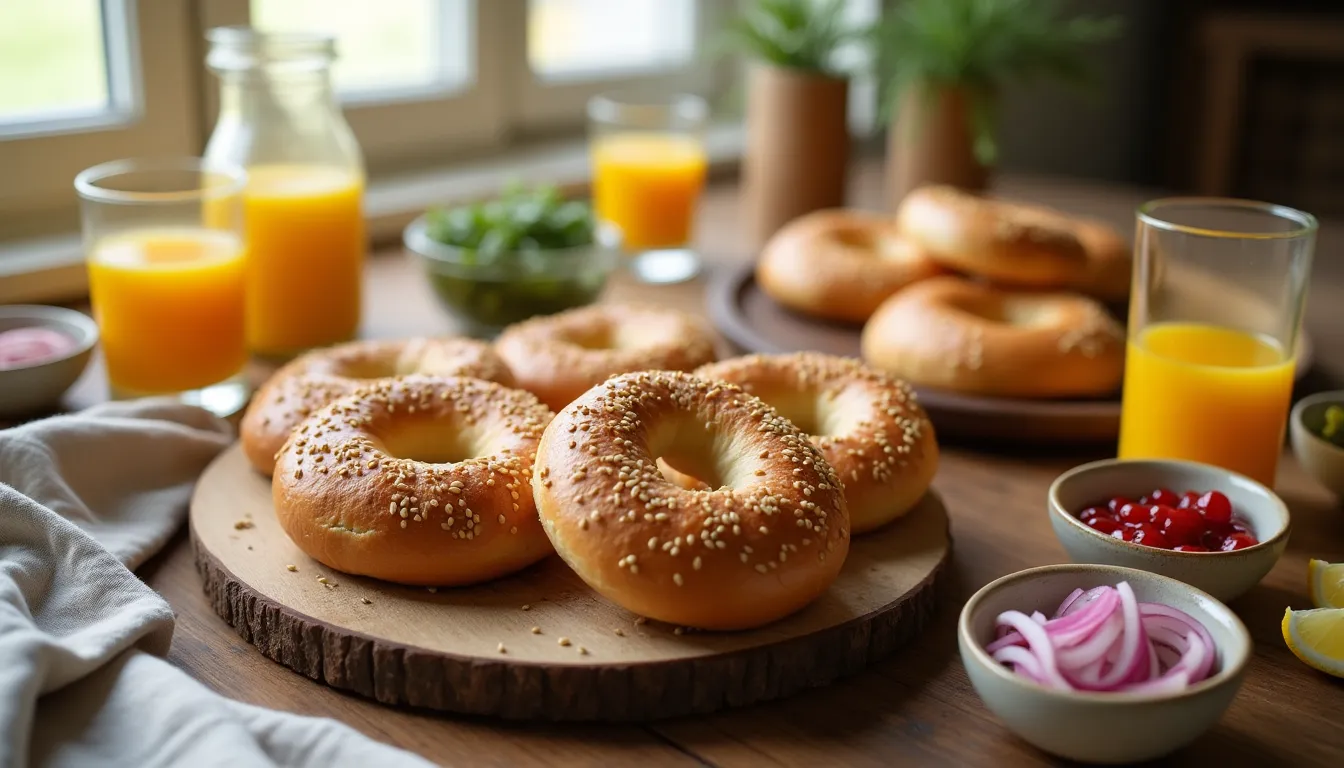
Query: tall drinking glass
{"points": [[649, 165], [1215, 324], [163, 241]]}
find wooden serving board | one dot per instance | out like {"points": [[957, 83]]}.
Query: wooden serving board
{"points": [[440, 650], [750, 319]]}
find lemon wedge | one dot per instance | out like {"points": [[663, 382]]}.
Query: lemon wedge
{"points": [[1327, 583], [1317, 638]]}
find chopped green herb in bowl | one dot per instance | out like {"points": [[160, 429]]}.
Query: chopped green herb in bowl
{"points": [[530, 252], [1333, 428]]}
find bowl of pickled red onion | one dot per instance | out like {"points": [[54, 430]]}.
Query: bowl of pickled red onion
{"points": [[1209, 527], [43, 351], [1100, 663]]}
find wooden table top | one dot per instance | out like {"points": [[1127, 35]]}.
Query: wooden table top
{"points": [[915, 708]]}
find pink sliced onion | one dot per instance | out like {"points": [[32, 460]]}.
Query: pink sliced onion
{"points": [[1104, 639]]}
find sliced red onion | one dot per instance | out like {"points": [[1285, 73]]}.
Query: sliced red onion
{"points": [[1103, 639]]}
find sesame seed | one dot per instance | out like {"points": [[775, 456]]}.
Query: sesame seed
{"points": [[527, 607], [676, 579], [291, 568], [564, 641], [366, 601], [536, 630], [501, 648]]}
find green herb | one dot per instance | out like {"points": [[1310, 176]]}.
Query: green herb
{"points": [[978, 46], [528, 253], [521, 219], [798, 34], [1334, 425]]}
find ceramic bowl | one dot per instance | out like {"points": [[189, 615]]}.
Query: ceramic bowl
{"points": [[33, 388], [1321, 458], [1100, 727], [1225, 575]]}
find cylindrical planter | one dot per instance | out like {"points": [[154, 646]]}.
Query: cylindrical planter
{"points": [[931, 142], [797, 149]]}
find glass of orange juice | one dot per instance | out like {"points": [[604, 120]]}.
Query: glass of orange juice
{"points": [[1215, 323], [163, 241], [649, 165]]}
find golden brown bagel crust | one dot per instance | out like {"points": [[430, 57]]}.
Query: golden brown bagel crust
{"points": [[561, 356], [1109, 262], [1009, 244], [840, 264], [351, 505], [954, 334], [763, 545], [867, 424], [315, 379]]}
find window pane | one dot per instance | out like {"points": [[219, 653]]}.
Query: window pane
{"points": [[566, 38], [384, 46], [52, 60]]}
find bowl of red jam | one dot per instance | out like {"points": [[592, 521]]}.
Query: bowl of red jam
{"points": [[43, 351], [1209, 527]]}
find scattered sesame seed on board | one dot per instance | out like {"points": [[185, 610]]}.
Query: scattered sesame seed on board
{"points": [[432, 590], [291, 568], [619, 632], [640, 621], [536, 630], [502, 649], [563, 641], [527, 607], [583, 651], [242, 525], [366, 601], [321, 579]]}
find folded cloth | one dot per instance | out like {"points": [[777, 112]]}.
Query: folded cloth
{"points": [[85, 498]]}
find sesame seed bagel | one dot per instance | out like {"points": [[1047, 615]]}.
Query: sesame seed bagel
{"points": [[955, 334], [840, 265], [561, 356], [313, 380], [767, 540], [1010, 244], [865, 422], [418, 480]]}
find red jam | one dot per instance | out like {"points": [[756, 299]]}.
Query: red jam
{"points": [[30, 346], [1185, 522]]}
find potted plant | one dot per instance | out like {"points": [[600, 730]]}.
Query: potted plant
{"points": [[945, 63], [797, 150]]}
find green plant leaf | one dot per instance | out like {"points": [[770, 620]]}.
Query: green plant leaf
{"points": [[797, 34], [979, 46]]}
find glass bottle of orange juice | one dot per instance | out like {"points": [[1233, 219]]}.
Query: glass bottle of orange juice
{"points": [[278, 118]]}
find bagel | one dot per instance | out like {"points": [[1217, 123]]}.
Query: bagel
{"points": [[767, 540], [315, 379], [561, 356], [840, 265], [866, 423], [1107, 274], [420, 480], [954, 334], [1006, 243]]}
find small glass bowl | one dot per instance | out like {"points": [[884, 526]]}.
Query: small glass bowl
{"points": [[487, 297]]}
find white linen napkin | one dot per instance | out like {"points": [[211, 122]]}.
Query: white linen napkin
{"points": [[85, 498]]}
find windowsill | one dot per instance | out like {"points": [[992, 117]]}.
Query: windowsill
{"points": [[51, 269]]}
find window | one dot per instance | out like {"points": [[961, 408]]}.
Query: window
{"points": [[388, 49], [586, 38], [78, 86]]}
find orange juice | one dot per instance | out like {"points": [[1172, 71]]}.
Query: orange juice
{"points": [[169, 306], [305, 256], [648, 185], [1207, 394]]}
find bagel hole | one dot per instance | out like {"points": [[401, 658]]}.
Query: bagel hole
{"points": [[693, 457], [431, 443], [369, 369]]}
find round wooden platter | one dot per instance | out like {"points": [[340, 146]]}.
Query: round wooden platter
{"points": [[754, 322], [440, 649]]}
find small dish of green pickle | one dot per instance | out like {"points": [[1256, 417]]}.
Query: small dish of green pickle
{"points": [[531, 252]]}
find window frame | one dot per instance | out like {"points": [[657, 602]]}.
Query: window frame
{"points": [[36, 191], [541, 105]]}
